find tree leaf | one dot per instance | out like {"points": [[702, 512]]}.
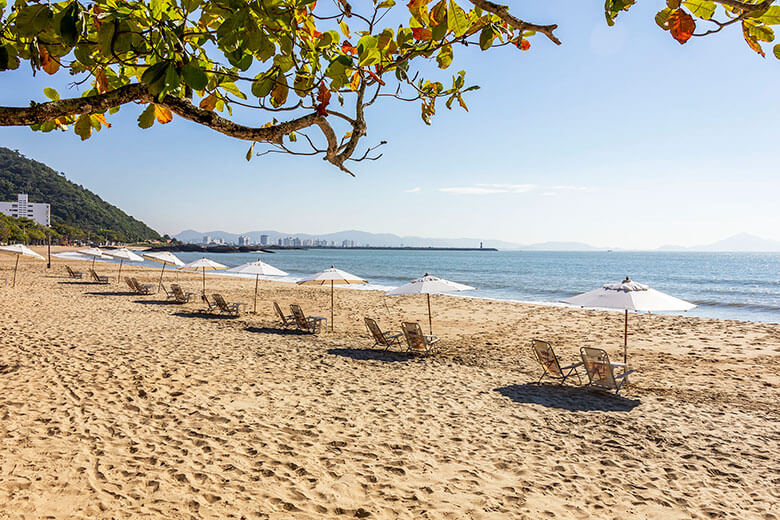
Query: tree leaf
{"points": [[776, 50], [154, 77], [662, 17], [48, 64], [146, 119], [69, 31], [702, 8], [681, 25], [249, 152], [51, 93], [771, 16], [83, 127], [323, 96], [486, 38], [456, 19], [420, 33], [101, 81], [280, 91], [194, 77], [162, 114], [208, 102], [751, 40], [444, 57]]}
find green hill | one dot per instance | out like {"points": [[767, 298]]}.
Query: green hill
{"points": [[76, 212]]}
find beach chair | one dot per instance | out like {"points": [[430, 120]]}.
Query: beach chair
{"points": [[546, 357], [286, 321], [210, 308], [382, 339], [139, 288], [74, 274], [179, 296], [601, 372], [418, 343], [96, 278], [232, 309], [311, 324]]}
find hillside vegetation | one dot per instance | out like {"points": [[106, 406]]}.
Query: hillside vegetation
{"points": [[77, 213]]}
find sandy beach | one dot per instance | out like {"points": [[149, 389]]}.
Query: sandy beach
{"points": [[122, 406]]}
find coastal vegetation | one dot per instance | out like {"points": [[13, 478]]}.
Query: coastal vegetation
{"points": [[312, 65], [76, 213]]}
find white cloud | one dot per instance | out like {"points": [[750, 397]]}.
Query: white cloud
{"points": [[414, 190], [489, 189], [472, 190]]}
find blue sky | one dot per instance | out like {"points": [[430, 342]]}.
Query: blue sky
{"points": [[621, 137]]}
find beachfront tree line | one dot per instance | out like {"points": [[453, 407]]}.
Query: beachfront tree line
{"points": [[311, 68]]}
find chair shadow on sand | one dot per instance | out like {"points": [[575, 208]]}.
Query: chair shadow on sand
{"points": [[196, 314], [369, 354], [277, 330], [574, 399], [111, 293]]}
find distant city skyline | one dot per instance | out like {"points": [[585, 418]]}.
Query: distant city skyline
{"points": [[621, 137]]}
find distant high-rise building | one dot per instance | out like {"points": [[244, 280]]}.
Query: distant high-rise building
{"points": [[263, 240], [279, 242], [244, 240], [23, 208], [206, 239]]}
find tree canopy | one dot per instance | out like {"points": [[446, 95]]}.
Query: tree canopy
{"points": [[305, 65]]}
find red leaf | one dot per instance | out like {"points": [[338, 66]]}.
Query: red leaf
{"points": [[102, 80], [681, 25], [323, 96], [49, 64], [347, 48], [420, 33], [523, 44]]}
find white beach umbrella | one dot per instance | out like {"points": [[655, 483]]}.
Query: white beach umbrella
{"points": [[123, 254], [629, 296], [331, 276], [94, 252], [257, 268], [19, 250], [201, 265], [429, 285], [165, 258]]}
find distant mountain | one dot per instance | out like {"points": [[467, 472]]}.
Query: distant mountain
{"points": [[74, 209], [741, 242]]}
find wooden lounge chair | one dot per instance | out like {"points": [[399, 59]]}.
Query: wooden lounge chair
{"points": [[179, 296], [382, 339], [601, 372], [139, 288], [96, 278], [418, 343], [286, 321], [74, 274], [311, 324], [232, 309], [546, 357], [210, 308]]}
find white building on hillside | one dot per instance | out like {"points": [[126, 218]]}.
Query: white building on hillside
{"points": [[40, 213]]}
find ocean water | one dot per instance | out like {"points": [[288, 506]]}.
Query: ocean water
{"points": [[740, 286]]}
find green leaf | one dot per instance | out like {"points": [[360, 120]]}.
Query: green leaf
{"points": [[146, 119], [154, 77], [69, 31], [194, 77], [51, 93], [158, 7], [761, 33], [370, 57], [32, 20], [771, 16], [704, 9], [386, 3], [105, 37], [4, 57], [172, 79], [262, 86], [661, 17], [444, 57], [486, 38], [83, 126], [776, 50], [456, 19], [233, 89]]}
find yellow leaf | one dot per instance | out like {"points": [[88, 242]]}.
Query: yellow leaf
{"points": [[163, 114], [102, 119], [354, 83], [208, 102]]}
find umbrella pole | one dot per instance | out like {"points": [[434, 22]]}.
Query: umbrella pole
{"points": [[257, 278], [16, 266], [204, 281], [331, 305], [430, 320], [93, 261], [625, 339], [119, 276], [159, 285]]}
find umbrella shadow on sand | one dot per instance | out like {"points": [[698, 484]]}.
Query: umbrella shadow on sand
{"points": [[196, 314], [567, 398], [367, 354], [111, 293], [278, 331]]}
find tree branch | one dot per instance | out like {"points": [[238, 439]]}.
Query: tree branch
{"points": [[503, 12], [746, 6]]}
